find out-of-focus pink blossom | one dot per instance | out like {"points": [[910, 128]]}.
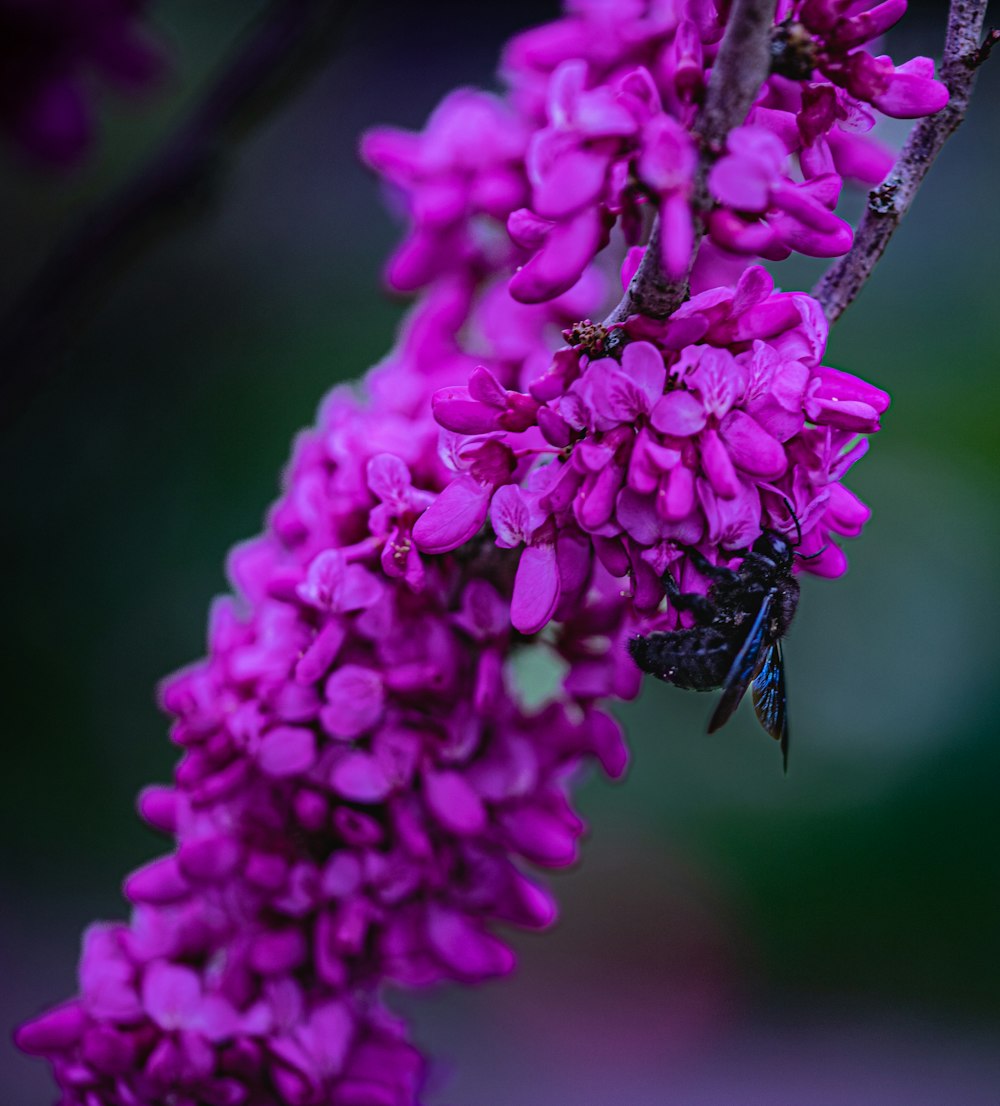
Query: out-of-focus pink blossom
{"points": [[468, 163], [50, 54]]}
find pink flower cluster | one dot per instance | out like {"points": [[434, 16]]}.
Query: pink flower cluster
{"points": [[696, 431], [363, 779], [827, 36], [359, 788], [50, 52], [613, 93], [596, 131]]}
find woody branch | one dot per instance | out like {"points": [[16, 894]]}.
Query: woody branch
{"points": [[964, 52]]}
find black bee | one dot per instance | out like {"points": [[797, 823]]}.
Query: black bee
{"points": [[736, 639]]}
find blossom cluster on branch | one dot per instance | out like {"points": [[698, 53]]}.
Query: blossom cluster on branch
{"points": [[363, 780]]}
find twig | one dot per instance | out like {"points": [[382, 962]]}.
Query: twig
{"points": [[279, 52], [963, 54], [740, 68]]}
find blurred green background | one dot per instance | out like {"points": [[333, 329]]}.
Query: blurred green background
{"points": [[732, 936]]}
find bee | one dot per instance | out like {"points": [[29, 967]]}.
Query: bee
{"points": [[736, 638]]}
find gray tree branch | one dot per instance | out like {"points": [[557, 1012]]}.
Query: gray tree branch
{"points": [[740, 68], [964, 52]]}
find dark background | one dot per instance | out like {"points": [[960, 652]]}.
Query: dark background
{"points": [[733, 935]]}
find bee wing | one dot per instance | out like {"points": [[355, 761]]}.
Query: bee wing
{"points": [[744, 668], [769, 698]]}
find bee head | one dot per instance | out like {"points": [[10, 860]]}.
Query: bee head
{"points": [[775, 546]]}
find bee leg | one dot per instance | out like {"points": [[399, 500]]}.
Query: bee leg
{"points": [[706, 568], [700, 606]]}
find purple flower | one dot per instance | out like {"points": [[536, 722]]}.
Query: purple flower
{"points": [[698, 435], [483, 406], [362, 778], [839, 30], [467, 163], [666, 166], [750, 181], [357, 787], [605, 150]]}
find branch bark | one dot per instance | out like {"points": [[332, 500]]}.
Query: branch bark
{"points": [[290, 41], [740, 68], [963, 54]]}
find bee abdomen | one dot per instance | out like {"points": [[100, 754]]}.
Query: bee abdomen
{"points": [[697, 659]]}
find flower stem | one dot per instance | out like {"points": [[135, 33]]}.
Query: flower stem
{"points": [[887, 204], [740, 68]]}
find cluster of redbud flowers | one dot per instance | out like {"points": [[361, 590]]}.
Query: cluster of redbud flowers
{"points": [[363, 781]]}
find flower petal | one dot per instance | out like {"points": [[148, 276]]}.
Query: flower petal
{"points": [[464, 946], [55, 1031], [718, 465], [536, 589], [751, 447], [454, 803], [389, 479], [361, 778], [510, 517], [454, 517], [287, 751], [679, 414], [171, 994], [355, 700], [567, 250]]}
